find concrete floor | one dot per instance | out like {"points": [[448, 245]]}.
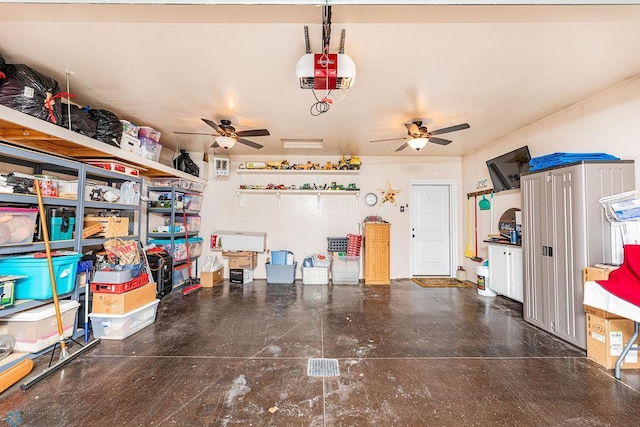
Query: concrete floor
{"points": [[408, 356]]}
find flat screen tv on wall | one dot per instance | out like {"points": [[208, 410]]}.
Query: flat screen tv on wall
{"points": [[505, 170]]}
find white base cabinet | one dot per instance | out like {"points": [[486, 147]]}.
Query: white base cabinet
{"points": [[505, 271]]}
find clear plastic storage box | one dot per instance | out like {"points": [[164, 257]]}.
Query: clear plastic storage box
{"points": [[36, 329], [17, 225], [345, 270], [193, 222], [180, 247], [120, 326]]}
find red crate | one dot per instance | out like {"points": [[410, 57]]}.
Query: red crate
{"points": [[120, 288], [353, 247]]}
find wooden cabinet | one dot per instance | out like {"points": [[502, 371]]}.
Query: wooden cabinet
{"points": [[376, 253], [505, 271]]}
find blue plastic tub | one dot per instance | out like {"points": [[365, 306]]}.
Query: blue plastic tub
{"points": [[37, 285]]}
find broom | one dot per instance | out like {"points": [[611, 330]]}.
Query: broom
{"points": [[192, 284], [468, 253], [476, 258], [65, 357]]}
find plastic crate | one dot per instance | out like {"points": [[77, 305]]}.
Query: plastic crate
{"points": [[281, 274], [315, 275], [119, 288], [337, 244], [120, 326], [355, 242]]}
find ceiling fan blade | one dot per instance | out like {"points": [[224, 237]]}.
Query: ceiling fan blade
{"points": [[390, 139], [213, 125], [249, 143], [215, 145], [414, 129], [402, 147], [439, 141], [195, 133], [450, 129], [255, 132]]}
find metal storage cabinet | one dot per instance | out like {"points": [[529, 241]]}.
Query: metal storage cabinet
{"points": [[564, 229], [376, 253]]}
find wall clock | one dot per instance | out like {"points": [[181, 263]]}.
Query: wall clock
{"points": [[370, 199]]}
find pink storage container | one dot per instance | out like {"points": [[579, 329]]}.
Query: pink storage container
{"points": [[149, 132]]}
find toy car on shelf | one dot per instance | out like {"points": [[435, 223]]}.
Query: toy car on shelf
{"points": [[280, 164], [352, 163]]}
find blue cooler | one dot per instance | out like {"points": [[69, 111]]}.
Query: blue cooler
{"points": [[61, 223]]}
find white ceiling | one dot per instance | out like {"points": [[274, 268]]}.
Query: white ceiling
{"points": [[497, 68]]}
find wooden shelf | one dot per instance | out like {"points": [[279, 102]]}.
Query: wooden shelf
{"points": [[317, 193], [297, 172], [28, 131]]}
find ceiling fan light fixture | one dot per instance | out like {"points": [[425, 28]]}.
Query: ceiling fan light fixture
{"points": [[417, 143], [225, 141]]}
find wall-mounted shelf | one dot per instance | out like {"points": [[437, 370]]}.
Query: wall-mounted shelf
{"points": [[317, 193], [28, 131], [297, 172]]}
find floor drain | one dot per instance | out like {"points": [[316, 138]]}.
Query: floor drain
{"points": [[323, 368]]}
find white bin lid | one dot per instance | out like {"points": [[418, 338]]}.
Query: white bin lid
{"points": [[119, 316], [43, 312]]}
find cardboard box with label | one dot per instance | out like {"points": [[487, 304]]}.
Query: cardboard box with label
{"points": [[606, 339], [210, 279], [244, 259], [123, 303], [240, 276]]}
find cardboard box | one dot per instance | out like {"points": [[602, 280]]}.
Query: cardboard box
{"points": [[244, 259], [210, 279], [600, 312], [240, 276], [112, 226], [239, 241], [591, 274], [125, 302], [606, 339]]}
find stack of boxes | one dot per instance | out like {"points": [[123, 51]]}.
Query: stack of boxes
{"points": [[241, 266], [607, 333], [122, 309]]}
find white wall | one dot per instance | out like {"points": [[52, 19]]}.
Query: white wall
{"points": [[607, 122], [301, 227]]}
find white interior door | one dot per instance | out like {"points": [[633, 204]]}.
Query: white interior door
{"points": [[431, 230]]}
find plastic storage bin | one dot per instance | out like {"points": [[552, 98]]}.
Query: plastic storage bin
{"points": [[36, 329], [193, 201], [281, 274], [37, 285], [315, 275], [16, 226], [345, 270], [180, 274], [337, 244], [179, 183], [193, 222], [149, 133], [150, 149], [120, 326], [180, 247]]}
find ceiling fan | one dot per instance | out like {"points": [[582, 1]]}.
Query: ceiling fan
{"points": [[227, 136], [419, 135]]}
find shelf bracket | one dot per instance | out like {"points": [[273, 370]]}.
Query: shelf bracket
{"points": [[357, 197], [239, 199], [318, 200], [279, 200]]}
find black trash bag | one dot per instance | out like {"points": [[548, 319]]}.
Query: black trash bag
{"points": [[26, 90], [109, 128], [81, 122], [184, 163]]}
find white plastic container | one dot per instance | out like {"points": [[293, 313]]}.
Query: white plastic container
{"points": [[483, 282], [120, 326], [36, 329], [315, 275]]}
